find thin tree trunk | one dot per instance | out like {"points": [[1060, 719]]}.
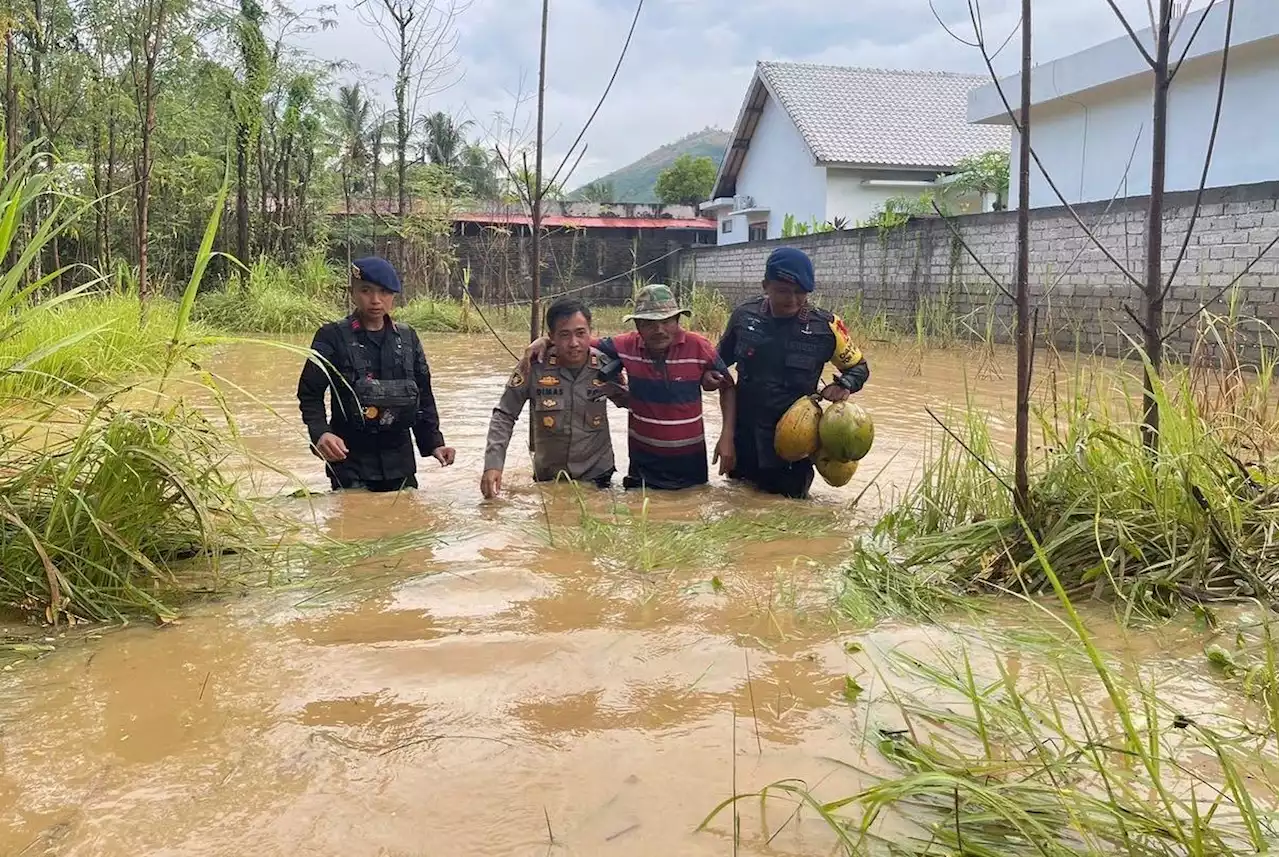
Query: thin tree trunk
{"points": [[402, 143], [1022, 291], [151, 41], [346, 206], [264, 184], [95, 151], [242, 193], [535, 208], [1153, 323], [10, 121], [10, 103], [109, 184]]}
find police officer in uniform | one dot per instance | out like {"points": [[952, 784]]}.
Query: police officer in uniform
{"points": [[379, 388], [781, 344], [568, 390]]}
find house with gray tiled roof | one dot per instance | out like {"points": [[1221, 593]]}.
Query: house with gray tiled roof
{"points": [[822, 143]]}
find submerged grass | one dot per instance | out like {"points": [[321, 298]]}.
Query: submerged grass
{"points": [[1039, 763], [628, 539]]}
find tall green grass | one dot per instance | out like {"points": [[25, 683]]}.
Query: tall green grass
{"points": [[100, 503], [272, 298], [1196, 523], [94, 340]]}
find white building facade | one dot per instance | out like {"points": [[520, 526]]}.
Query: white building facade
{"points": [[1091, 111], [830, 144]]}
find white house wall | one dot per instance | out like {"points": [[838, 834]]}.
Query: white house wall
{"points": [[849, 198], [779, 174], [1085, 141]]}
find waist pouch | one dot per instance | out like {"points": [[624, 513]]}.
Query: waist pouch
{"points": [[386, 405]]}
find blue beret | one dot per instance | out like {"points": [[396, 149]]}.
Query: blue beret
{"points": [[376, 270], [789, 265]]}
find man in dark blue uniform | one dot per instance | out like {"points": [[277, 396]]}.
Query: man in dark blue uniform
{"points": [[781, 345], [379, 388]]}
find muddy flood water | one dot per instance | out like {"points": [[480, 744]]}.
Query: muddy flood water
{"points": [[502, 693]]}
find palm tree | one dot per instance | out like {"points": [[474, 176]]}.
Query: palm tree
{"points": [[445, 143], [476, 170], [353, 119]]}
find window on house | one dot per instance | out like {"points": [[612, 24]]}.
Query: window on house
{"points": [[758, 231], [726, 226]]}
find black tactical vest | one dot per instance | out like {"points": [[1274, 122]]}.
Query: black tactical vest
{"points": [[779, 359], [389, 404]]}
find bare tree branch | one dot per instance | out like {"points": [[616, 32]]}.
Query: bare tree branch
{"points": [[1017, 125], [947, 29], [1129, 312], [1207, 9], [1222, 291], [1124, 22], [1124, 177], [955, 232], [1208, 155]]}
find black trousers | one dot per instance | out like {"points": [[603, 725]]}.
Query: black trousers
{"points": [[758, 465], [346, 482]]}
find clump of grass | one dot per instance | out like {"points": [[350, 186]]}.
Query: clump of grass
{"points": [[1018, 764], [710, 310], [1034, 770], [100, 506], [1193, 523], [632, 540], [91, 523], [271, 298], [875, 583], [449, 315], [96, 339]]}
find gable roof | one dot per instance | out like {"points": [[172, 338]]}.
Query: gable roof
{"points": [[863, 116]]}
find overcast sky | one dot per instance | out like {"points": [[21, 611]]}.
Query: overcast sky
{"points": [[691, 60]]}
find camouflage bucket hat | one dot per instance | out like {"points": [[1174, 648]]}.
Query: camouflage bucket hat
{"points": [[656, 303]]}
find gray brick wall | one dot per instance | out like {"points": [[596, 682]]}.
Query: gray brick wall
{"points": [[1080, 294]]}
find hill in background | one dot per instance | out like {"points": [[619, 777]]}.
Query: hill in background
{"points": [[634, 182]]}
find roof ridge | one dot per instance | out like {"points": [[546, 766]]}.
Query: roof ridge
{"points": [[904, 71]]}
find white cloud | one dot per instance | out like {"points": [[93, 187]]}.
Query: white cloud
{"points": [[690, 60]]}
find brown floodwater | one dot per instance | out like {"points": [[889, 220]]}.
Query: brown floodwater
{"points": [[502, 693]]}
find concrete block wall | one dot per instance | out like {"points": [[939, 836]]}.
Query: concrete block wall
{"points": [[1081, 295]]}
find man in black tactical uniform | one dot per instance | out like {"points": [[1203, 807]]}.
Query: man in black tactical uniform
{"points": [[379, 389], [781, 345]]}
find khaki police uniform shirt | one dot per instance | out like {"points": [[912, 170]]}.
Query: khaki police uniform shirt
{"points": [[571, 431]]}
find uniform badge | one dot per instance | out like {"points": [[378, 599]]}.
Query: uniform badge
{"points": [[596, 382], [371, 413], [548, 381], [355, 272], [548, 422], [595, 421], [548, 403], [517, 380]]}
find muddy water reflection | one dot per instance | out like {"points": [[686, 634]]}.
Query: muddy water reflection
{"points": [[458, 701]]}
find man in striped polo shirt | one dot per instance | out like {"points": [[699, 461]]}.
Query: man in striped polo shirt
{"points": [[666, 440]]}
